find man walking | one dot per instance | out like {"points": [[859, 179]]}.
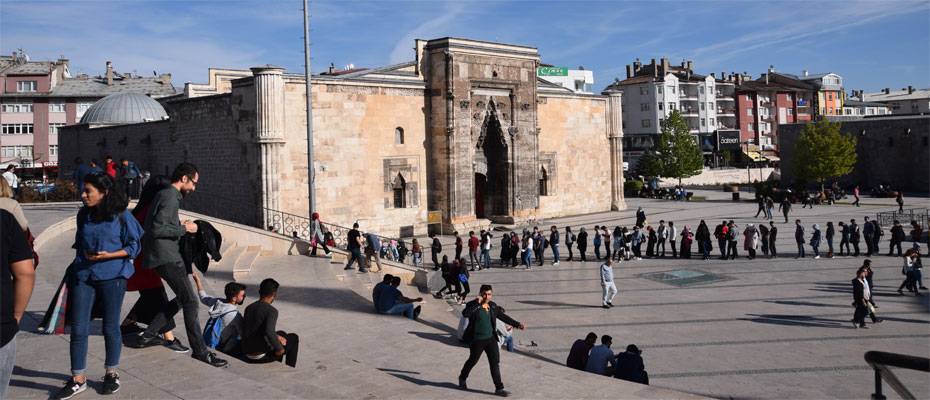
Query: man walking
{"points": [[760, 201], [161, 253], [554, 244], [473, 244], [861, 295], [482, 314], [354, 240], [799, 237], [897, 236], [856, 195], [785, 206], [435, 249], [607, 283]]}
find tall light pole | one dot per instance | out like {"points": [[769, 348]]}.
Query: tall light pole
{"points": [[311, 173]]}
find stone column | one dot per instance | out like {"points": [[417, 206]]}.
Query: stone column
{"points": [[269, 134], [615, 136]]}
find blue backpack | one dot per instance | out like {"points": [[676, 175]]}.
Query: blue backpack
{"points": [[214, 330]]}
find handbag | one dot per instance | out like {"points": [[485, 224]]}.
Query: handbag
{"points": [[463, 278]]}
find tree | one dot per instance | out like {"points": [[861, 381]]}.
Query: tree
{"points": [[678, 149], [822, 152], [649, 164]]}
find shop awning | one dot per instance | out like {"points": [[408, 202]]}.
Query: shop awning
{"points": [[754, 155]]}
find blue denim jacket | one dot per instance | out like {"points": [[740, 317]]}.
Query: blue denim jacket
{"points": [[108, 236]]}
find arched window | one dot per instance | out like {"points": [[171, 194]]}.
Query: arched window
{"points": [[543, 182], [399, 188], [398, 135]]}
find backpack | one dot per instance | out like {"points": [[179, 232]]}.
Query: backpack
{"points": [[213, 330]]}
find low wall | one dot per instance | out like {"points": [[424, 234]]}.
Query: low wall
{"points": [[721, 176]]}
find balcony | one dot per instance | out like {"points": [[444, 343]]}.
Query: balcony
{"points": [[725, 97], [688, 97]]}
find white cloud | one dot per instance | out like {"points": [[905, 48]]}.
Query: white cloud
{"points": [[438, 26]]}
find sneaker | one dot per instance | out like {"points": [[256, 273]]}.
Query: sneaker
{"points": [[211, 358], [462, 384], [501, 393], [348, 268], [363, 271], [555, 263], [816, 257], [610, 304], [142, 341], [416, 312], [110, 383], [437, 296], [71, 389], [855, 325], [176, 346], [863, 327], [605, 306]]}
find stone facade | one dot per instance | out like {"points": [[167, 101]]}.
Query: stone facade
{"points": [[467, 129], [890, 151]]}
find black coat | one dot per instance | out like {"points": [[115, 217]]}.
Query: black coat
{"points": [[582, 240], [471, 312], [630, 367], [858, 292], [199, 248]]}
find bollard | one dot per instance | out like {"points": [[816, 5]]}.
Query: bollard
{"points": [[735, 196]]}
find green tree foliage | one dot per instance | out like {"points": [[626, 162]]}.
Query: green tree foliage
{"points": [[822, 152], [677, 149], [649, 164]]}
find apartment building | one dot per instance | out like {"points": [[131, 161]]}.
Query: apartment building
{"points": [[908, 100], [829, 95], [580, 81], [39, 97], [764, 103]]}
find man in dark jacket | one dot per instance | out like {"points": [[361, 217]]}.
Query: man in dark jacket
{"points": [[554, 244], [861, 295], [482, 314], [435, 249], [629, 366], [868, 232], [799, 237], [161, 253], [877, 236], [582, 244], [897, 236], [578, 355], [773, 234]]}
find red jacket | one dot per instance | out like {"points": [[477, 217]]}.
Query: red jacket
{"points": [[111, 170], [143, 278]]}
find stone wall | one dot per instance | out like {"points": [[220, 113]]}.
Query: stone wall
{"points": [[575, 153], [356, 155], [722, 176], [211, 132], [891, 151]]}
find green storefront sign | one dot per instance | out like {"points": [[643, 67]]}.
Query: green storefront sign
{"points": [[552, 71]]}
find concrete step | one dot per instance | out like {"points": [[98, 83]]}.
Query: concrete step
{"points": [[222, 272], [245, 262]]}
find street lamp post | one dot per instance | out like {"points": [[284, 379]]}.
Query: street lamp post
{"points": [[311, 173]]}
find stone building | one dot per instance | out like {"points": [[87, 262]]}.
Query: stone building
{"points": [[892, 150], [466, 129]]}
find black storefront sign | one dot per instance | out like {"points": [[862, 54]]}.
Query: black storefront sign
{"points": [[728, 139]]}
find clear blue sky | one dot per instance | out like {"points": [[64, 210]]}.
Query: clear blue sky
{"points": [[872, 44]]}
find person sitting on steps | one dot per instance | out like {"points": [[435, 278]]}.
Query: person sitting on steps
{"points": [[260, 342]]}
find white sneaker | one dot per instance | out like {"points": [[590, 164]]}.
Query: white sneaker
{"points": [[555, 263], [816, 257], [639, 258]]}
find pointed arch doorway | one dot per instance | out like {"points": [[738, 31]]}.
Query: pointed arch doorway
{"points": [[492, 170]]}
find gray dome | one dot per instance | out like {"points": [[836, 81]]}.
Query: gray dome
{"points": [[124, 108]]}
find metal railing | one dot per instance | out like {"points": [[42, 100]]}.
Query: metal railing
{"points": [[880, 362], [910, 214]]}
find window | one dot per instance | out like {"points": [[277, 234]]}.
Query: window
{"points": [[672, 106], [16, 129], [702, 106], [701, 89], [750, 126], [53, 150], [82, 108], [644, 107], [399, 187], [660, 106], [53, 128], [748, 112], [26, 86], [57, 106], [543, 182], [710, 90], [790, 111], [710, 106], [711, 122], [646, 123], [703, 122], [659, 89], [16, 151], [672, 88], [17, 107], [642, 90], [398, 135]]}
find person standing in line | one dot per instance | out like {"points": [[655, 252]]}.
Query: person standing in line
{"points": [[900, 200], [703, 239], [916, 233], [785, 206], [799, 237], [651, 240], [897, 237], [686, 239], [354, 245], [458, 245], [732, 240], [569, 241], [618, 243], [540, 241], [861, 296], [473, 244], [106, 241], [877, 236], [514, 249], [764, 236], [554, 244], [636, 239], [505, 250], [856, 195], [815, 241], [129, 174], [829, 235], [769, 207], [662, 234], [854, 236], [528, 251], [751, 240], [844, 238], [582, 244], [435, 248], [17, 280], [720, 233], [672, 236], [483, 314], [605, 236], [773, 235], [163, 230], [868, 232], [608, 286], [597, 242], [417, 251]]}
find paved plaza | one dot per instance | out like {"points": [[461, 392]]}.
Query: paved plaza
{"points": [[726, 329]]}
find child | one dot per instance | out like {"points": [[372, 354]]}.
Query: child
{"points": [[417, 254]]}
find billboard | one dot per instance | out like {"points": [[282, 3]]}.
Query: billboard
{"points": [[552, 71], [728, 139]]}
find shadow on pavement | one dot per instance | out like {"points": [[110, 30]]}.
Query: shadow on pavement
{"points": [[29, 373], [445, 385], [337, 299], [798, 320], [556, 304], [803, 303]]}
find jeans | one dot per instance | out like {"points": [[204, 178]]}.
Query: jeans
{"points": [[527, 257], [473, 258], [610, 290], [830, 245], [868, 245], [492, 349], [892, 246], [401, 308], [722, 245], [597, 251], [816, 251], [83, 293], [661, 245], [671, 244], [418, 260], [290, 352], [555, 253], [571, 254], [175, 275], [356, 257], [7, 360], [801, 250], [485, 258]]}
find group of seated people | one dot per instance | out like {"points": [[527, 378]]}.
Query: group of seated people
{"points": [[388, 299], [601, 360]]}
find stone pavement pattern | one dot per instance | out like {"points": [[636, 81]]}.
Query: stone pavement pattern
{"points": [[346, 350], [770, 329]]}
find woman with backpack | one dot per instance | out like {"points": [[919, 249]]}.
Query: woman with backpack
{"points": [[463, 277], [107, 239]]}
